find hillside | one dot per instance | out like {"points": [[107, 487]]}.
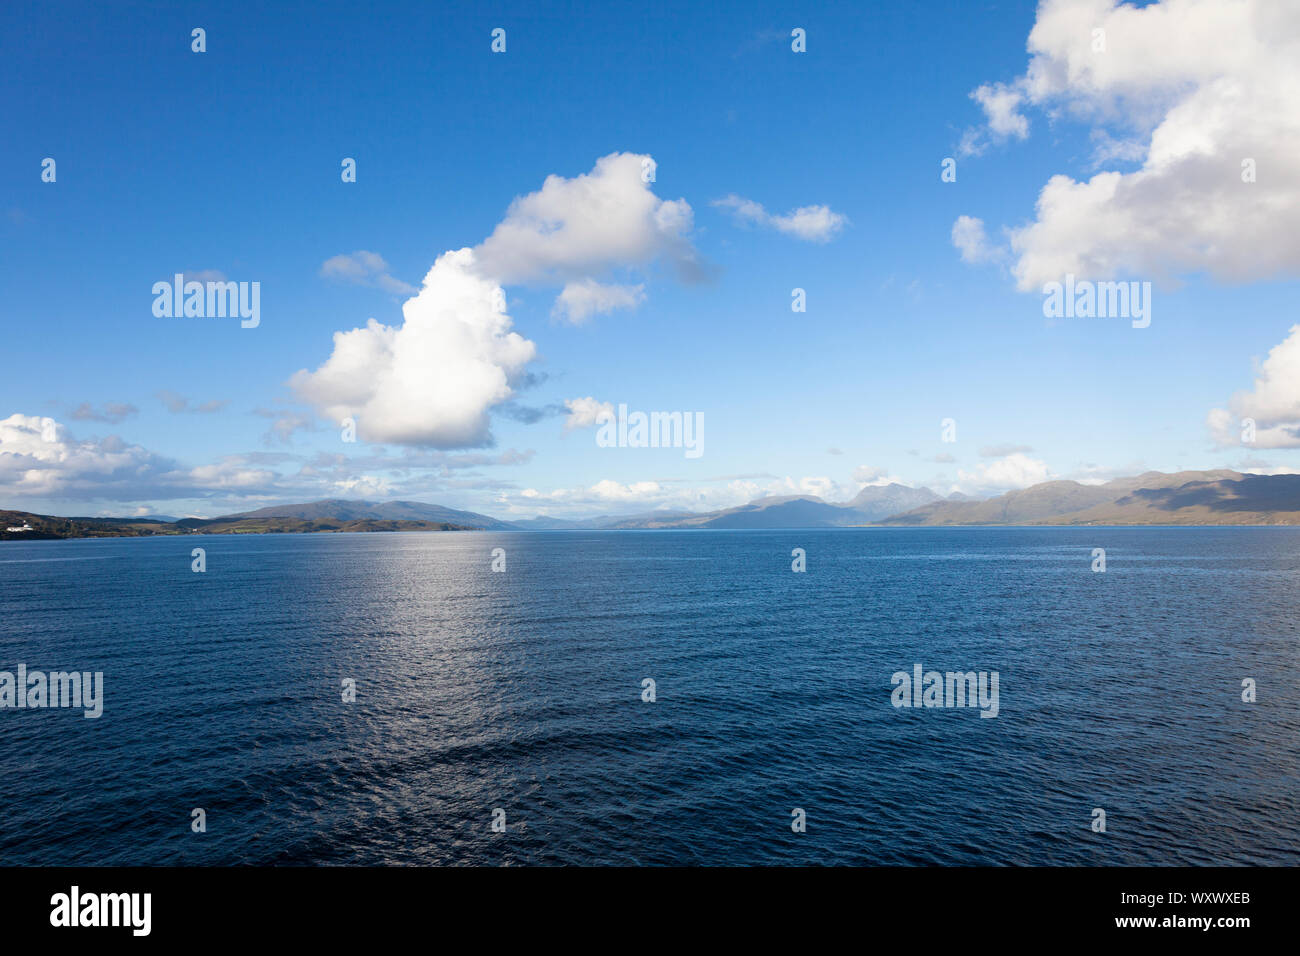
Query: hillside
{"points": [[1188, 497], [340, 509], [49, 527]]}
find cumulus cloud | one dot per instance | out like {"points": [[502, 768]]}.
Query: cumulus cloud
{"points": [[1195, 89], [1014, 471], [586, 412], [364, 268], [434, 379], [1273, 404], [810, 223], [38, 456], [583, 227], [580, 300]]}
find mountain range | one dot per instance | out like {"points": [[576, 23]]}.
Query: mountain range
{"points": [[1185, 497], [1219, 497]]}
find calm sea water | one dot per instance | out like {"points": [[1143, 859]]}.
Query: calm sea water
{"points": [[522, 690]]}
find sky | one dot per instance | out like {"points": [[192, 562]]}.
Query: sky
{"points": [[617, 210]]}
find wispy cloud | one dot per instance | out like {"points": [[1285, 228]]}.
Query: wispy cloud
{"points": [[809, 223], [364, 268], [111, 412], [178, 404]]}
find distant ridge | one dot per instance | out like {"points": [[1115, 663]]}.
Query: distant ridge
{"points": [[341, 509], [1219, 497]]}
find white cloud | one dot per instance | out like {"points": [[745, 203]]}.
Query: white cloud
{"points": [[1253, 466], [970, 240], [1195, 87], [44, 468], [1004, 474], [606, 491], [871, 476], [614, 491], [364, 486], [584, 298], [40, 458], [1001, 104], [583, 227], [433, 380], [231, 473], [822, 487], [810, 223], [586, 412], [1273, 404], [364, 268], [637, 496]]}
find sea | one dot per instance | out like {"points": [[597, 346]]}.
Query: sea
{"points": [[658, 698]]}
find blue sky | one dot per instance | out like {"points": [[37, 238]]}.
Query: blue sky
{"points": [[226, 163]]}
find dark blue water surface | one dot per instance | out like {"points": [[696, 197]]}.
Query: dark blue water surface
{"points": [[522, 690]]}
